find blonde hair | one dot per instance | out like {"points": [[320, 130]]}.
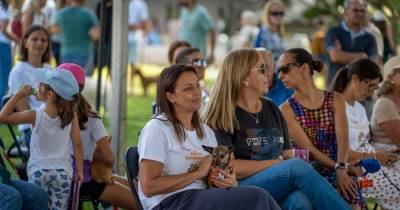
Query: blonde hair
{"points": [[267, 10], [220, 110], [387, 86]]}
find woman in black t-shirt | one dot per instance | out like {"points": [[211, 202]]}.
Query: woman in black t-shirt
{"points": [[258, 132]]}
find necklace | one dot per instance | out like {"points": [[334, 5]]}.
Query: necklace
{"points": [[255, 118]]}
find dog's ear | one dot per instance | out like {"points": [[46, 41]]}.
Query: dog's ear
{"points": [[208, 149], [230, 148]]}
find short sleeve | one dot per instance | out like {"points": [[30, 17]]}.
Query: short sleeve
{"points": [[224, 138], [93, 19], [98, 130], [385, 110], [15, 80], [330, 39], [206, 21], [153, 144]]}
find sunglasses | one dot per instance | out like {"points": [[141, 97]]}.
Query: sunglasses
{"points": [[279, 13], [285, 68], [200, 63], [263, 69], [358, 10]]}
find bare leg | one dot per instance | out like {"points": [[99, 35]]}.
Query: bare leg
{"points": [[118, 195]]}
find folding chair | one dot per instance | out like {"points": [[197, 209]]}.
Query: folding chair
{"points": [[15, 150], [132, 170], [77, 200]]}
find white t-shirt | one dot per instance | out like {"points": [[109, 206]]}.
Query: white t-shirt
{"points": [[49, 148], [94, 131], [5, 15], [158, 142], [24, 74], [359, 133], [138, 12]]}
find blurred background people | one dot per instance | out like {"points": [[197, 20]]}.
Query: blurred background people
{"points": [[271, 33], [197, 27]]}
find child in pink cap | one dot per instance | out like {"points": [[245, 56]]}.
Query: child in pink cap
{"points": [[93, 134]]}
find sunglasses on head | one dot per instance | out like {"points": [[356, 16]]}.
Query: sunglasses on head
{"points": [[200, 62], [278, 13], [285, 68]]}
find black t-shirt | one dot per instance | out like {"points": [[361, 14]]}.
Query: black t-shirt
{"points": [[258, 141]]}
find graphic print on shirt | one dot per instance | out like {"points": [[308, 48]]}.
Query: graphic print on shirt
{"points": [[195, 157], [264, 143]]}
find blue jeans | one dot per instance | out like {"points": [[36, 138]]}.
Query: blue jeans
{"points": [[5, 67], [22, 195], [294, 184]]}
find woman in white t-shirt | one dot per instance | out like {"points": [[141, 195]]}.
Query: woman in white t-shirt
{"points": [[94, 135], [35, 55], [172, 163], [356, 82]]}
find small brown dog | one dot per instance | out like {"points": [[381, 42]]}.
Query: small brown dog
{"points": [[99, 171], [221, 159]]}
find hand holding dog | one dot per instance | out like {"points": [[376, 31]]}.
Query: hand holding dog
{"points": [[228, 180], [204, 166]]}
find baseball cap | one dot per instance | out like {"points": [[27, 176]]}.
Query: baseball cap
{"points": [[76, 70], [61, 81]]}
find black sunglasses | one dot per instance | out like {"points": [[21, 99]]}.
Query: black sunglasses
{"points": [[200, 63], [285, 68], [281, 13]]}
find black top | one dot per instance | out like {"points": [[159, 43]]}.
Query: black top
{"points": [[258, 141]]}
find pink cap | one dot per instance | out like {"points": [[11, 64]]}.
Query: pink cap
{"points": [[76, 70]]}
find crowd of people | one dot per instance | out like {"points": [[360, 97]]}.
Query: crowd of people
{"points": [[264, 103]]}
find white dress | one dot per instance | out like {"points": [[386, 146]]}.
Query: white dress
{"points": [[383, 191]]}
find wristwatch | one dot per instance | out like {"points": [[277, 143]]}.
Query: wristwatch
{"points": [[341, 165]]}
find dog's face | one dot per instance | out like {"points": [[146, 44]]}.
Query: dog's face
{"points": [[221, 155]]}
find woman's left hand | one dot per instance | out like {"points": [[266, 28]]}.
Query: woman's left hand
{"points": [[224, 181]]}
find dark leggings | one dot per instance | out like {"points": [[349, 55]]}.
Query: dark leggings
{"points": [[238, 198]]}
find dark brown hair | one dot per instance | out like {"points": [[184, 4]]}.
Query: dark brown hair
{"points": [[24, 52], [301, 56], [364, 69], [387, 86], [176, 44], [167, 83], [183, 55], [84, 111], [65, 109]]}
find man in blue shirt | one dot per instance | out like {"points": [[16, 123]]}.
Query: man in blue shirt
{"points": [[196, 26], [348, 41]]}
